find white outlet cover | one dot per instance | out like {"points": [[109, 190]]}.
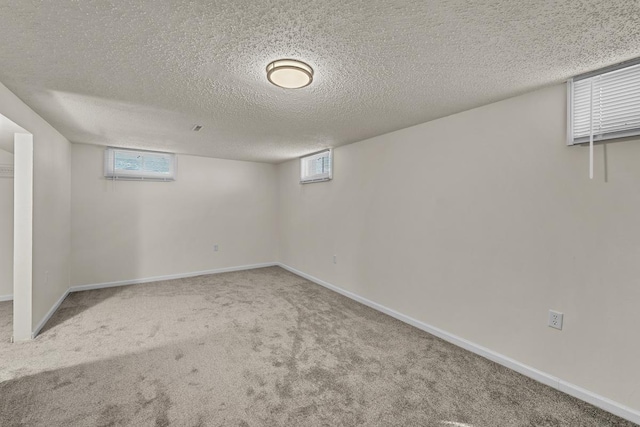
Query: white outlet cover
{"points": [[555, 319]]}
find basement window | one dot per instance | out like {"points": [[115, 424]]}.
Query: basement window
{"points": [[120, 163], [316, 167], [604, 104]]}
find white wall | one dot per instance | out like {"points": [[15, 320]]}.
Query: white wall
{"points": [[6, 229], [128, 230], [23, 209], [478, 224], [51, 205]]}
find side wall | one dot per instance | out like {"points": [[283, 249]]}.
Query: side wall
{"points": [[51, 205], [127, 230], [6, 230], [478, 224]]}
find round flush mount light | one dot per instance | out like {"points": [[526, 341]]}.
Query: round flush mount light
{"points": [[289, 73]]}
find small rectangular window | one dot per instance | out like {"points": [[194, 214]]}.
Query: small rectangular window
{"points": [[121, 163], [316, 167], [605, 104]]}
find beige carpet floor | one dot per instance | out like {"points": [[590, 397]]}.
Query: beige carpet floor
{"points": [[256, 348]]}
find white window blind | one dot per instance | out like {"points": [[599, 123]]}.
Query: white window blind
{"points": [[605, 104], [316, 167], [120, 163]]}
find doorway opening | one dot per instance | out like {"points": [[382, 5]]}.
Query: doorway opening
{"points": [[16, 230]]}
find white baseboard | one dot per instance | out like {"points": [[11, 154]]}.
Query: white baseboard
{"points": [[543, 377], [168, 277], [6, 298], [46, 318]]}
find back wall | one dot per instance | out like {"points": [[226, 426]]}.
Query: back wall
{"points": [[126, 230]]}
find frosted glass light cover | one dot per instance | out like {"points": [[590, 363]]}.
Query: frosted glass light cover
{"points": [[289, 74]]}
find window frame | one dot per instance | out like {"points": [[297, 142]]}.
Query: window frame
{"points": [[111, 173], [570, 107], [318, 178]]}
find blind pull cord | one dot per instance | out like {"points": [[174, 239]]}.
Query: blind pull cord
{"points": [[591, 134]]}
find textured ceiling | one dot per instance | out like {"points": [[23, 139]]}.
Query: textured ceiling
{"points": [[141, 73]]}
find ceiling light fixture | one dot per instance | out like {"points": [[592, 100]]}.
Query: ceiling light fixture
{"points": [[289, 73]]}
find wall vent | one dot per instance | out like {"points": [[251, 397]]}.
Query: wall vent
{"points": [[6, 171]]}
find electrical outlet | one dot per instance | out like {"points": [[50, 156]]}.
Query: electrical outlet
{"points": [[335, 259], [555, 319], [215, 248]]}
